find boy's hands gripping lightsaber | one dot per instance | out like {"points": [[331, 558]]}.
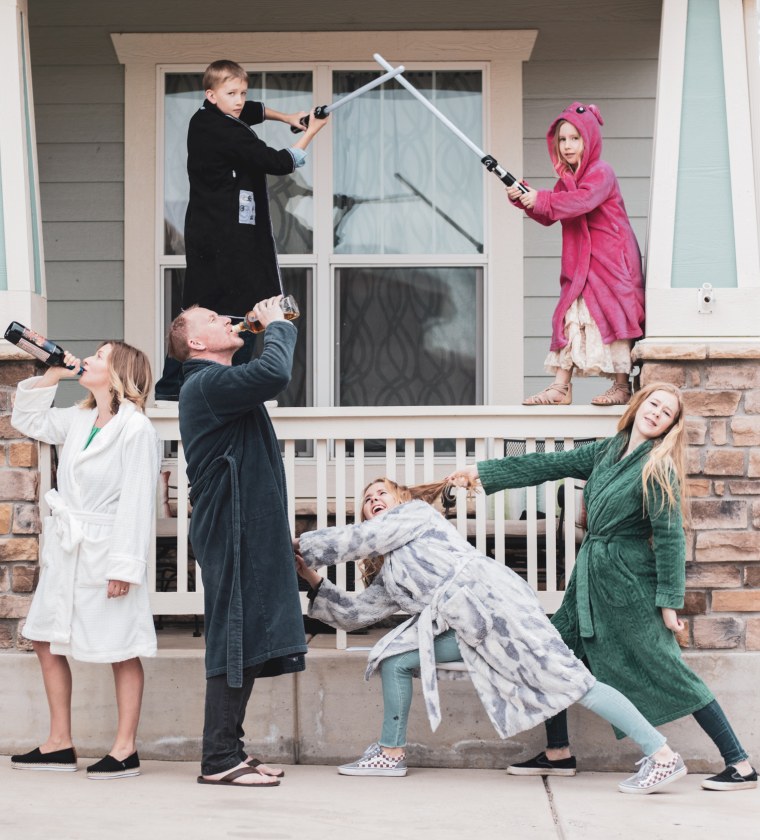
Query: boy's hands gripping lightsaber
{"points": [[490, 162], [321, 111]]}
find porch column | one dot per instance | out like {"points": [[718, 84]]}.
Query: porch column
{"points": [[22, 280], [704, 230]]}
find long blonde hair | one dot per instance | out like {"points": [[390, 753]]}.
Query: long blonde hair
{"points": [[129, 374], [430, 493], [665, 469], [562, 165]]}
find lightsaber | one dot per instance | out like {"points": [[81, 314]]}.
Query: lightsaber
{"points": [[321, 111], [489, 161]]}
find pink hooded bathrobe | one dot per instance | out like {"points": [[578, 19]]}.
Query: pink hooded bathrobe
{"points": [[601, 260]]}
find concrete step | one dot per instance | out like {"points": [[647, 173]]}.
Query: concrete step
{"points": [[328, 713]]}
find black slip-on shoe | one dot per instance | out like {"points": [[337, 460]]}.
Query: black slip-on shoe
{"points": [[59, 760], [540, 765], [111, 768], [731, 779]]}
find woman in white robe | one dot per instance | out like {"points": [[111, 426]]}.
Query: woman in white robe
{"points": [[457, 598], [91, 602]]}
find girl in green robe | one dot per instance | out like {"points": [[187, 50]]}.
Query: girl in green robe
{"points": [[619, 609]]}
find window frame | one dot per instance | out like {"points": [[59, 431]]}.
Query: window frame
{"points": [[498, 54]]}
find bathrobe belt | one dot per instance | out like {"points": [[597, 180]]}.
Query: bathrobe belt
{"points": [[235, 606], [583, 597], [433, 612], [68, 530]]}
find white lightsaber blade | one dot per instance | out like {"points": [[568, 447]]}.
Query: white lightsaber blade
{"points": [[490, 163], [322, 111]]}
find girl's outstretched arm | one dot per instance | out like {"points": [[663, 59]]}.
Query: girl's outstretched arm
{"points": [[594, 189], [373, 538]]}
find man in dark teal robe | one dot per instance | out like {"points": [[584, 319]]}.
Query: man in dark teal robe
{"points": [[239, 527]]}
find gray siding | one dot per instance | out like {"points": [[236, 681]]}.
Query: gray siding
{"points": [[593, 50]]}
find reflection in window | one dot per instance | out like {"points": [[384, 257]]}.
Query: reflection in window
{"points": [[297, 282], [290, 197], [409, 336], [404, 183]]}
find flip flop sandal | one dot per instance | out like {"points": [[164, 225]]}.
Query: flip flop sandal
{"points": [[229, 779], [256, 762]]}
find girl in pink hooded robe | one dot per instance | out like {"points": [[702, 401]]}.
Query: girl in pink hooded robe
{"points": [[601, 303]]}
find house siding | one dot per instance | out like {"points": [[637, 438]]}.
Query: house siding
{"points": [[590, 50]]}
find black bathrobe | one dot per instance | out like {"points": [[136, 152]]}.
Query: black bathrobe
{"points": [[239, 527]]}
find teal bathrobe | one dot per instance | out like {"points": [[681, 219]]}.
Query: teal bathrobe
{"points": [[239, 526], [631, 563]]}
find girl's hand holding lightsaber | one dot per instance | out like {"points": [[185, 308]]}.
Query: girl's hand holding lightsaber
{"points": [[527, 199]]}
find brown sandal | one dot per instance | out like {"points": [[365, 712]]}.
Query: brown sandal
{"points": [[233, 775], [616, 395], [544, 397], [264, 769]]}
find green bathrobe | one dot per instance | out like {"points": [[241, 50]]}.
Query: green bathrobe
{"points": [[631, 563]]}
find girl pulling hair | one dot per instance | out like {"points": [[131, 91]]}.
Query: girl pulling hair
{"points": [[601, 302], [92, 600], [619, 609], [466, 607]]}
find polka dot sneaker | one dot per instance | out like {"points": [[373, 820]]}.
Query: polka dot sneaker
{"points": [[375, 762], [654, 775]]}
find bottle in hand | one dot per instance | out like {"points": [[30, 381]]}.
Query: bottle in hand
{"points": [[289, 310], [48, 352]]}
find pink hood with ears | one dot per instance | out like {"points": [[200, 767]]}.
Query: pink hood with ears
{"points": [[600, 256], [588, 121]]}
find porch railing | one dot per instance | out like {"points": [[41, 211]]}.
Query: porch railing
{"points": [[331, 454]]}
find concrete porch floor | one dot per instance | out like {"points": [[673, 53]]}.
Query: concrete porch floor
{"points": [[328, 714]]}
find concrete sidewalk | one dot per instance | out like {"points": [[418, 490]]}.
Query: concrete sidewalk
{"points": [[314, 802]]}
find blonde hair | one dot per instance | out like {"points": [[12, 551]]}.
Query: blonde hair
{"points": [[562, 165], [665, 469], [218, 72], [430, 493], [178, 346], [129, 376]]}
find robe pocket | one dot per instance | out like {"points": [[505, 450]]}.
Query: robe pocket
{"points": [[468, 615], [92, 563], [620, 585]]}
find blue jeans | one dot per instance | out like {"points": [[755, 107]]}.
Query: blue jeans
{"points": [[397, 672], [711, 718], [223, 725]]}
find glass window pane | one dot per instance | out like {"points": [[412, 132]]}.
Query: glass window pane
{"points": [[409, 336], [297, 282], [403, 182], [290, 197]]}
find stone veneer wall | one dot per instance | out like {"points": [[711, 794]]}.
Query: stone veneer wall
{"points": [[19, 511], [720, 382]]}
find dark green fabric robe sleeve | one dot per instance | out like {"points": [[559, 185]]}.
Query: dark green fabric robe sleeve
{"points": [[669, 546], [535, 468]]}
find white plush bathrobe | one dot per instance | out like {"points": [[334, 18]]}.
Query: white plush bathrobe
{"points": [[99, 529], [522, 670]]}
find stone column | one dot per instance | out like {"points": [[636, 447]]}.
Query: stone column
{"points": [[19, 512], [720, 382]]}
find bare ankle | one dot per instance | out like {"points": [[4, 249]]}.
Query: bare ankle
{"points": [[558, 753], [664, 754], [393, 752]]}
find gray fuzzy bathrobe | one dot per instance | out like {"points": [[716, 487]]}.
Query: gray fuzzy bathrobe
{"points": [[522, 670]]}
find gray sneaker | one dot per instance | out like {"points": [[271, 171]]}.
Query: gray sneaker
{"points": [[375, 762], [654, 775]]}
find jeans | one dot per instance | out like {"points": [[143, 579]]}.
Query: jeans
{"points": [[715, 723], [617, 709], [711, 718], [397, 672], [223, 724]]}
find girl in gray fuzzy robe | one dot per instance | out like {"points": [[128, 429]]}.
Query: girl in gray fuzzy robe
{"points": [[464, 606]]}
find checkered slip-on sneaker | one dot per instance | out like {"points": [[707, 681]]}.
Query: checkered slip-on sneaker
{"points": [[654, 775], [375, 762], [731, 779]]}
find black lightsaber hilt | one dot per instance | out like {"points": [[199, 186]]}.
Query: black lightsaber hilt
{"points": [[320, 112], [492, 165]]}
